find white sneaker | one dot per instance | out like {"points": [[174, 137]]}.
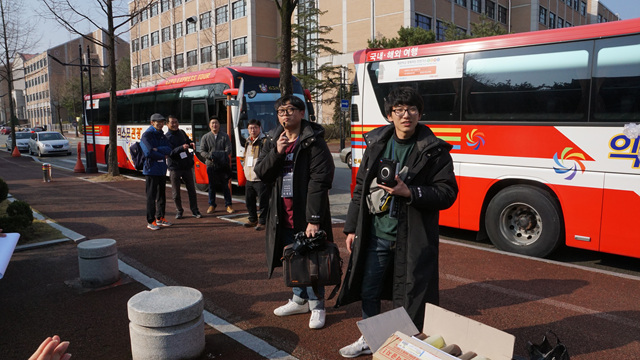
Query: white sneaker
{"points": [[360, 347], [317, 319], [292, 308]]}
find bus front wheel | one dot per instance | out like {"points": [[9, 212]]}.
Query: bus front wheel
{"points": [[525, 220], [202, 187]]}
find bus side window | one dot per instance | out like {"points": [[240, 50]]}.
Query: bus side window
{"points": [[143, 107], [616, 94]]}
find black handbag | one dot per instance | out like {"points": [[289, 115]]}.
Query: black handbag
{"points": [[312, 262], [546, 351]]}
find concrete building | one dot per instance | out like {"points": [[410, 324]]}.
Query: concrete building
{"points": [[176, 36], [45, 78]]}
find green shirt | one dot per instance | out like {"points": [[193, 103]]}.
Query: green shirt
{"points": [[383, 226]]}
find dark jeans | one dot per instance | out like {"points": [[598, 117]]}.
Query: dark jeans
{"points": [[156, 196], [187, 176], [379, 257], [217, 178], [253, 190]]}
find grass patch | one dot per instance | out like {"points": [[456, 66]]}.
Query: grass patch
{"points": [[38, 231]]}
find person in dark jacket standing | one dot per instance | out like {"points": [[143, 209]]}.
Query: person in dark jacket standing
{"points": [[215, 147], [156, 148], [296, 160], [394, 243], [180, 163], [255, 188]]}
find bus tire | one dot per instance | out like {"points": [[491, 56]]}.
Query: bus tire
{"points": [[524, 219], [202, 187]]}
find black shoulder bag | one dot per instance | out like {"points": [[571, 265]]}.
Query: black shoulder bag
{"points": [[312, 262]]}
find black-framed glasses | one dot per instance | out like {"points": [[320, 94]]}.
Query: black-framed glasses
{"points": [[400, 111], [286, 111]]}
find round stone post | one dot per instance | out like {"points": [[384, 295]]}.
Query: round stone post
{"points": [[166, 323], [98, 262]]}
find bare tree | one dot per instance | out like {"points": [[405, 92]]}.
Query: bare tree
{"points": [[68, 15], [286, 9], [15, 37]]}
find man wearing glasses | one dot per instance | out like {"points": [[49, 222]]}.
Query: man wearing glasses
{"points": [[392, 230], [296, 159]]}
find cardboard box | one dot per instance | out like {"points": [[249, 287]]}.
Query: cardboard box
{"points": [[390, 336]]}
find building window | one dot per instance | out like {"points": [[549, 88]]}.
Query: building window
{"points": [[166, 64], [221, 15], [569, 3], [240, 46], [205, 54], [552, 20], [144, 42], [135, 72], [567, 24], [490, 9], [145, 69], [165, 5], [439, 30], [177, 30], [192, 57], [153, 10], [155, 38], [222, 50], [134, 20], [576, 5], [191, 27], [135, 45], [583, 8], [423, 21], [205, 20], [560, 22], [599, 18], [155, 66], [179, 61], [144, 15], [239, 9], [166, 34], [177, 3], [542, 16], [502, 14], [475, 5], [461, 2]]}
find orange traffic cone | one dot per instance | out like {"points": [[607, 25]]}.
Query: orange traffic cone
{"points": [[15, 152], [79, 168]]}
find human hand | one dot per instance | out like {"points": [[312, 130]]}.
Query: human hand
{"points": [[283, 143], [185, 146], [401, 189], [52, 349], [350, 239], [312, 229]]}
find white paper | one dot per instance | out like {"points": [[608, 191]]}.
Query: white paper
{"points": [[7, 245]]}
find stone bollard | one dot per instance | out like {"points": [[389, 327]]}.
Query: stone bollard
{"points": [[166, 323], [98, 262]]}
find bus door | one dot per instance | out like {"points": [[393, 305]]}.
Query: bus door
{"points": [[199, 126]]}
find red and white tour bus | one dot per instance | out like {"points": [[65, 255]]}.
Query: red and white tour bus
{"points": [[536, 123], [234, 94]]}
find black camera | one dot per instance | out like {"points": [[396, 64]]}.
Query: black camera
{"points": [[387, 170], [302, 244]]}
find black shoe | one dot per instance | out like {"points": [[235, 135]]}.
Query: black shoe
{"points": [[179, 215], [197, 215]]}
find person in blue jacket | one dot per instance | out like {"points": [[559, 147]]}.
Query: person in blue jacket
{"points": [[156, 148]]}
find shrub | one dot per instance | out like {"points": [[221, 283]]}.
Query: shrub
{"points": [[4, 190], [20, 213]]}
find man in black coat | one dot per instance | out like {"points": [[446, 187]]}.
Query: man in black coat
{"points": [[392, 231], [297, 161], [180, 165]]}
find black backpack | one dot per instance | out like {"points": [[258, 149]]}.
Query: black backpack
{"points": [[137, 156]]}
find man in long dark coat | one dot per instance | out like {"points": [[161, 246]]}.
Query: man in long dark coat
{"points": [[394, 243]]}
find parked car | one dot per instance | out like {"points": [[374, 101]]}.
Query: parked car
{"points": [[47, 143], [345, 156], [22, 141], [5, 130]]}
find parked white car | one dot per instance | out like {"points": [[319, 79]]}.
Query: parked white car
{"points": [[22, 141], [47, 143]]}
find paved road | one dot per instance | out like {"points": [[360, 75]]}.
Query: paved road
{"points": [[596, 313]]}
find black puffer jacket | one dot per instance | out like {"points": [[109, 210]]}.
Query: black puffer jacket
{"points": [[312, 178], [414, 279]]}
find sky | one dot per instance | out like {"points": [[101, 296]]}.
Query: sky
{"points": [[51, 34]]}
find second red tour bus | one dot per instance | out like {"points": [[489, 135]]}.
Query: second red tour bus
{"points": [[536, 122]]}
